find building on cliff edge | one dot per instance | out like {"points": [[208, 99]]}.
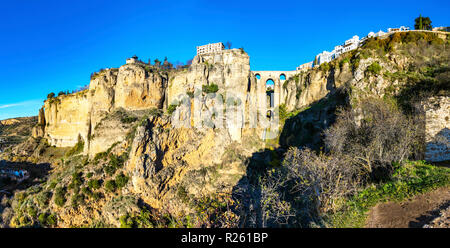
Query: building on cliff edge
{"points": [[210, 48], [352, 44]]}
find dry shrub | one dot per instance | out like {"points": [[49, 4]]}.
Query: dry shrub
{"points": [[373, 136], [321, 181]]}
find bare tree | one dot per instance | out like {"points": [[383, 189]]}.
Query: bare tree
{"points": [[275, 210], [189, 62], [228, 44], [374, 135], [179, 65], [320, 180]]}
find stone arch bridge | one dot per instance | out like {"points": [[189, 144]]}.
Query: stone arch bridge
{"points": [[265, 78]]}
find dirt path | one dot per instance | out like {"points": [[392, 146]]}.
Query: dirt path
{"points": [[416, 212]]}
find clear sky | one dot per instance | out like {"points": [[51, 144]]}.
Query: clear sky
{"points": [[49, 46]]}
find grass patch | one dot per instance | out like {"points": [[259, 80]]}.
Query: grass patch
{"points": [[409, 179], [374, 68], [78, 148]]}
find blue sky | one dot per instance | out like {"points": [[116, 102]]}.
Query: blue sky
{"points": [[49, 46]]}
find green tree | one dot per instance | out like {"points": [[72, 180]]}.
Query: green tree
{"points": [[422, 23], [51, 95]]}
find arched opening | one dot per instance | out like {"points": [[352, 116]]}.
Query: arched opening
{"points": [[282, 77], [258, 76], [270, 86]]}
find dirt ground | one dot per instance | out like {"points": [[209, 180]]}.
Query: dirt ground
{"points": [[413, 213]]}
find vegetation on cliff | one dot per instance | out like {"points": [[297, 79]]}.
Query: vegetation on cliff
{"points": [[339, 152]]}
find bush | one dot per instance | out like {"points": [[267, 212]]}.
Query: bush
{"points": [[324, 67], [51, 220], [383, 136], [320, 180], [32, 211], [190, 94], [128, 119], [78, 148], [43, 198], [42, 218], [212, 88], [115, 162], [76, 179], [77, 199], [51, 95], [109, 170], [100, 156], [110, 185], [172, 108], [94, 184], [60, 196], [374, 68], [126, 221], [121, 180]]}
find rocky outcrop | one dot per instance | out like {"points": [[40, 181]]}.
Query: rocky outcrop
{"points": [[163, 159], [68, 117], [437, 128], [230, 72]]}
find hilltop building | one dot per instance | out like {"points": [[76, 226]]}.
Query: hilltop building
{"points": [[305, 66], [132, 60], [210, 48], [348, 45], [324, 57], [402, 28], [444, 29], [352, 44]]}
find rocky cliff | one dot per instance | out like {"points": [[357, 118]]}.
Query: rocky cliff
{"points": [[179, 142]]}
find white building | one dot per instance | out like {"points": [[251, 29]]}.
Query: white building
{"points": [[351, 44], [348, 45], [353, 40], [132, 60], [210, 48], [305, 66], [402, 28], [379, 33], [323, 57]]}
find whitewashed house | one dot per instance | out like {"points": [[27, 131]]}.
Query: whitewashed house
{"points": [[305, 66], [401, 28], [323, 57], [379, 33], [210, 48]]}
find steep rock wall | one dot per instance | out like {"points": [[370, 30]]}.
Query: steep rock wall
{"points": [[69, 117], [437, 128]]}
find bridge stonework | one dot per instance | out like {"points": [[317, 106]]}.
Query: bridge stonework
{"points": [[275, 76]]}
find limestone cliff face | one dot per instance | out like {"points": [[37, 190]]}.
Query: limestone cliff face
{"points": [[163, 160], [205, 146], [230, 71], [138, 89], [67, 118], [70, 117], [437, 128]]}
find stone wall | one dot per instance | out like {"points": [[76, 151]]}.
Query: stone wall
{"points": [[437, 128]]}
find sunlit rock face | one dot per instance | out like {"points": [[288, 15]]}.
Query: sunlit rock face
{"points": [[69, 118], [437, 128]]}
